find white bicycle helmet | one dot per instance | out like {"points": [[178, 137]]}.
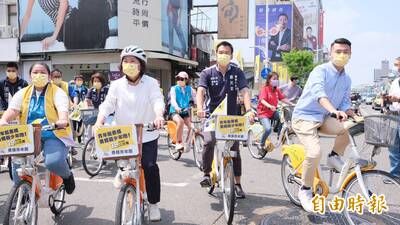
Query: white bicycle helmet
{"points": [[134, 51]]}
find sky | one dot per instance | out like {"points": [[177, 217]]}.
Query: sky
{"points": [[369, 25]]}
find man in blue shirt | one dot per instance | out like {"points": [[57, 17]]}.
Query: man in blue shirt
{"points": [[218, 81], [327, 91]]}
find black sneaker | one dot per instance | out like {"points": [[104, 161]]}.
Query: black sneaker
{"points": [[206, 182], [239, 191], [69, 184]]}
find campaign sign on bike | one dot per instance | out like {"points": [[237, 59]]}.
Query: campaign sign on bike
{"points": [[231, 128], [16, 140], [116, 141]]}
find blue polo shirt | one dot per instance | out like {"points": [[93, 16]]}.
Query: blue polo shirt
{"points": [[218, 86]]}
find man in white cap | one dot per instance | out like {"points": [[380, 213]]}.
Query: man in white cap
{"points": [[181, 97]]}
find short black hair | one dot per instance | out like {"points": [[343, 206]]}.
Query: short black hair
{"points": [[293, 78], [56, 70], [283, 14], [343, 41], [42, 64], [308, 28], [12, 65], [225, 43]]}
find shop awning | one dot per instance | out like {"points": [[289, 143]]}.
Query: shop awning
{"points": [[180, 60]]}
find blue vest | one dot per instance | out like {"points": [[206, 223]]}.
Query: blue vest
{"points": [[37, 111], [182, 99]]}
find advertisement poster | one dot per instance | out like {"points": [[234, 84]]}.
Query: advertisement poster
{"points": [[16, 140], [279, 31], [309, 9], [139, 23], [175, 27], [231, 128], [61, 25], [116, 141], [260, 32]]}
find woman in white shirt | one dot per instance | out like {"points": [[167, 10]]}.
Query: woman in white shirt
{"points": [[136, 99]]}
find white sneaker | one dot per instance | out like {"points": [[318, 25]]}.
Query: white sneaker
{"points": [[154, 212], [335, 162], [305, 197], [179, 147]]}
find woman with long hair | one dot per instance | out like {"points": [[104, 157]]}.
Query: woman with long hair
{"points": [[268, 100]]}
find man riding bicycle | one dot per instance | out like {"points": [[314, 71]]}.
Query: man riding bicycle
{"points": [[327, 91], [44, 100], [220, 81], [181, 96]]}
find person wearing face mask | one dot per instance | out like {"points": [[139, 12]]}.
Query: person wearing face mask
{"points": [[43, 99], [217, 82], [292, 91], [11, 84], [394, 109], [268, 100], [181, 95], [98, 92], [327, 91], [79, 94], [56, 78], [135, 98]]}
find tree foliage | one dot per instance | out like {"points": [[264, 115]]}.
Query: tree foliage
{"points": [[299, 63]]}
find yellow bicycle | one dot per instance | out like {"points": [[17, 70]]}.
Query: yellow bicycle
{"points": [[228, 129], [358, 176]]}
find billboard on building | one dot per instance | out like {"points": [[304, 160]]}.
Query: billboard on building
{"points": [[139, 23], [56, 25], [280, 24], [233, 19], [261, 38], [309, 9], [175, 27]]}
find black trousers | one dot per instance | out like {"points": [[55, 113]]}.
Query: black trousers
{"points": [[151, 171], [208, 154]]}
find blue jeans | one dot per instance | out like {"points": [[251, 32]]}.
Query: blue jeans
{"points": [[394, 156], [55, 154], [266, 122]]}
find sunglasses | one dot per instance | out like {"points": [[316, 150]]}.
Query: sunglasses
{"points": [[181, 79]]}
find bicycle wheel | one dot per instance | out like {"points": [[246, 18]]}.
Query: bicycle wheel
{"points": [[69, 158], [56, 201], [125, 212], [254, 148], [291, 183], [228, 191], [198, 146], [27, 211], [9, 165], [379, 183], [175, 154], [90, 161]]}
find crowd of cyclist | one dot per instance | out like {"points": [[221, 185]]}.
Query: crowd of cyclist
{"points": [[137, 90]]}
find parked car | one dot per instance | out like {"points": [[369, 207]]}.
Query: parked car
{"points": [[377, 103], [369, 99]]}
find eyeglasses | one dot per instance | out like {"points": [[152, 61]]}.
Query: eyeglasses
{"points": [[181, 79]]}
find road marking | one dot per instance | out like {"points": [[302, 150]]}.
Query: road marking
{"points": [[175, 184], [111, 181], [93, 180]]}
